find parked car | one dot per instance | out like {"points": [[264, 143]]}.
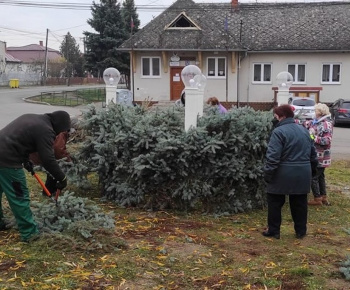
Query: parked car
{"points": [[124, 97], [340, 111], [304, 108]]}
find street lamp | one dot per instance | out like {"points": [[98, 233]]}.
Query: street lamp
{"points": [[284, 82], [111, 77], [195, 83]]}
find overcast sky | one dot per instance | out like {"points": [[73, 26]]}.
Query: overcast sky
{"points": [[22, 25]]}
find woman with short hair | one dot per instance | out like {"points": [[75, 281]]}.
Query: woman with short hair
{"points": [[213, 101], [290, 158]]}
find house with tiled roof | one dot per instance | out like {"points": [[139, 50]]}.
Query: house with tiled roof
{"points": [[241, 47], [33, 53], [27, 63]]}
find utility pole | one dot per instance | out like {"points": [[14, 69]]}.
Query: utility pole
{"points": [[45, 64], [67, 56]]}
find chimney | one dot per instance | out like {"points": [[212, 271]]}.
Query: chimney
{"points": [[234, 5], [41, 43]]}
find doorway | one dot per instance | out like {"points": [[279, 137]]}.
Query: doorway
{"points": [[176, 84]]}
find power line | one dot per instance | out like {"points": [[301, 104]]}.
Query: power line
{"points": [[155, 8]]}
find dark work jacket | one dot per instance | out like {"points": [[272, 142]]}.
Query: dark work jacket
{"points": [[32, 133], [289, 156], [59, 147]]}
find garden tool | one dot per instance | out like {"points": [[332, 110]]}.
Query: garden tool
{"points": [[29, 167], [54, 199]]}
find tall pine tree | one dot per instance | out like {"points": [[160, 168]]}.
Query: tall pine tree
{"points": [[130, 16], [71, 52], [101, 47], [113, 26]]}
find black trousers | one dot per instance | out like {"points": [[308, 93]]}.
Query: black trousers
{"points": [[298, 209], [318, 183]]}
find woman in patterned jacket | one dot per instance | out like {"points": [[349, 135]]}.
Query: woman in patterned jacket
{"points": [[321, 131]]}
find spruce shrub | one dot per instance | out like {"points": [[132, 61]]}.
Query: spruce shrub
{"points": [[145, 157], [73, 215]]}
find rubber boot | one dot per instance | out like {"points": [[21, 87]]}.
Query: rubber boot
{"points": [[325, 200], [315, 201]]}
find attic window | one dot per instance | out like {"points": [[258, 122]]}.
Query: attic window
{"points": [[182, 21]]}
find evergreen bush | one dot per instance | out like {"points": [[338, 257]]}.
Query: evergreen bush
{"points": [[345, 268], [145, 157], [74, 215]]}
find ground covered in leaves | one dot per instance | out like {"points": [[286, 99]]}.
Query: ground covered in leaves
{"points": [[171, 250]]}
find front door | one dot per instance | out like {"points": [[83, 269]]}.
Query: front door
{"points": [[176, 84]]}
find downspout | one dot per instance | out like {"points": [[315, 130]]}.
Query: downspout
{"points": [[238, 69], [227, 55]]}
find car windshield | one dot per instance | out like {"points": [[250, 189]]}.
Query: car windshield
{"points": [[304, 102], [346, 105]]}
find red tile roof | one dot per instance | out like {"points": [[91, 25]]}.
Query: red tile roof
{"points": [[32, 52]]}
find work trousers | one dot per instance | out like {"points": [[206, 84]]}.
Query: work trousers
{"points": [[298, 209], [13, 183], [318, 183]]}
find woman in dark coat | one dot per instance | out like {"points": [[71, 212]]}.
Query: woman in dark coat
{"points": [[290, 159]]}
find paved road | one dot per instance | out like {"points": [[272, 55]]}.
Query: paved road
{"points": [[12, 105]]}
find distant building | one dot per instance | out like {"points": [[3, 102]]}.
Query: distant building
{"points": [[26, 63], [33, 53]]}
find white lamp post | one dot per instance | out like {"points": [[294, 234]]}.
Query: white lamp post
{"points": [[284, 81], [194, 82], [111, 76]]}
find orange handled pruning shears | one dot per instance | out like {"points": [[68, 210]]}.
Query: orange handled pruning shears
{"points": [[54, 199]]}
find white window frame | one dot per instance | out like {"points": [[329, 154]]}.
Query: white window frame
{"points": [[216, 72], [331, 73], [296, 72], [262, 65], [151, 75]]}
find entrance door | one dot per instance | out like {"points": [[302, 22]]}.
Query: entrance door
{"points": [[176, 84]]}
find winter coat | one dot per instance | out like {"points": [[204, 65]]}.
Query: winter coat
{"points": [[289, 155], [322, 131], [222, 109], [59, 147], [33, 133]]}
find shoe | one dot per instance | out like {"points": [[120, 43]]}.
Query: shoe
{"points": [[325, 200], [269, 234], [315, 201], [3, 227], [32, 238], [300, 236]]}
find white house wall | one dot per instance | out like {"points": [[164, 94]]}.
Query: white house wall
{"points": [[153, 89], [216, 87], [2, 57], [158, 89], [250, 92]]}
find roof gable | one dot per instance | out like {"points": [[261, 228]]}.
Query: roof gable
{"points": [[182, 21]]}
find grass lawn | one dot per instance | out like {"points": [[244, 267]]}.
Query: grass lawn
{"points": [[171, 250]]}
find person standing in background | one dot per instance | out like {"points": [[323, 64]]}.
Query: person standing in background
{"points": [[290, 162], [321, 131], [213, 101]]}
